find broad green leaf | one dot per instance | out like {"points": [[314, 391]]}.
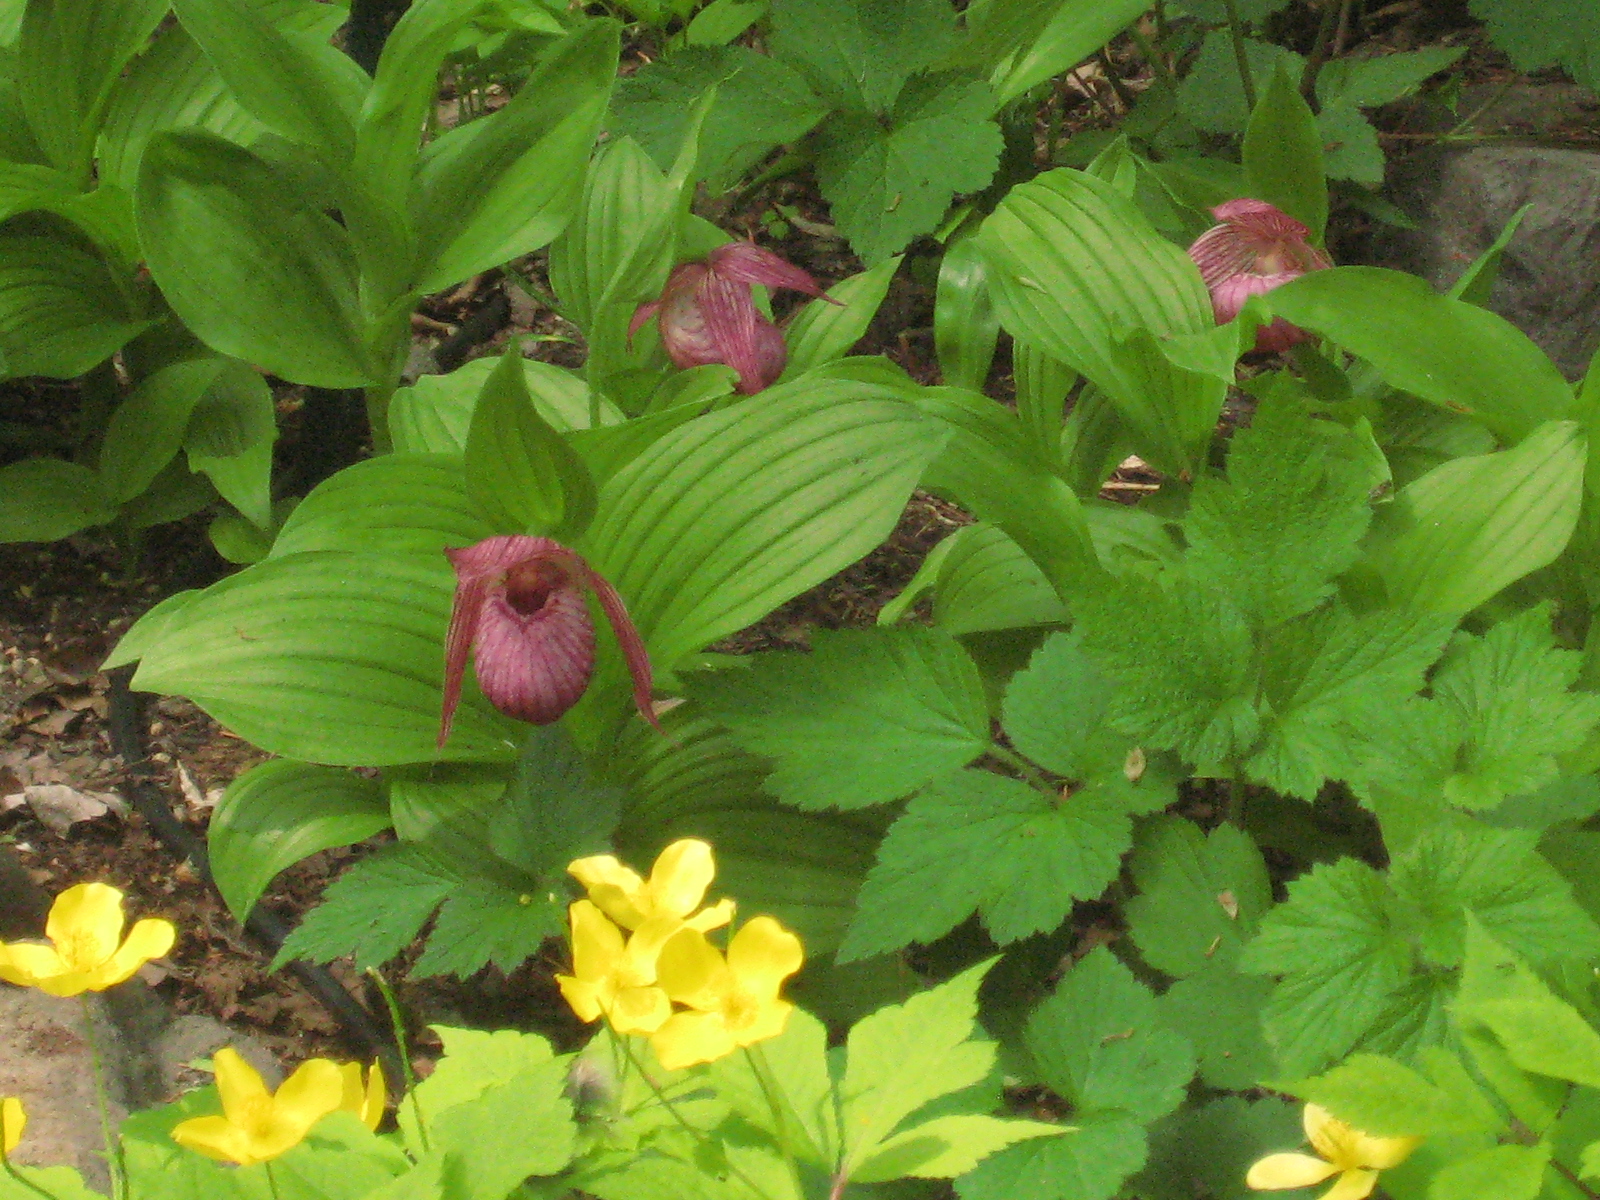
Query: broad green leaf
{"points": [[1540, 1031], [947, 1146], [761, 102], [248, 263], [147, 428], [1219, 1011], [821, 332], [1047, 247], [797, 1060], [1498, 1173], [395, 504], [474, 1061], [230, 437], [326, 657], [506, 184], [730, 515], [1541, 35], [867, 717], [1212, 96], [69, 56], [1477, 281], [979, 840], [1023, 44], [433, 415], [1413, 337], [965, 328], [1286, 521], [985, 582], [522, 474], [1089, 1161], [1456, 537], [1097, 1043], [891, 179], [904, 1056], [372, 911], [294, 84], [1283, 153], [1381, 78], [493, 1155], [721, 21], [1342, 956], [43, 499], [63, 310], [276, 814], [1207, 1148], [1200, 897], [858, 54], [1389, 1099]]}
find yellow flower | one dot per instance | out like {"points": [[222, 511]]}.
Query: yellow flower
{"points": [[87, 953], [607, 980], [257, 1125], [735, 999], [12, 1122], [678, 882], [1355, 1157], [367, 1100]]}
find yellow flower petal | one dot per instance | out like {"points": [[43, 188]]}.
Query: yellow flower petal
{"points": [[215, 1137], [597, 945], [1352, 1185], [149, 938], [13, 1120], [314, 1090], [680, 877], [1381, 1153], [692, 971], [617, 889], [715, 917], [1330, 1137], [582, 996], [239, 1085], [690, 1038], [367, 1100], [639, 1010], [769, 1021], [762, 955], [26, 965], [1288, 1171], [85, 923]]}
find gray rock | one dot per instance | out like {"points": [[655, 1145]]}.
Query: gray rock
{"points": [[45, 1061], [1461, 198]]}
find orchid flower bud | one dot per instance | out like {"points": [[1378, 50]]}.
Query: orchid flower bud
{"points": [[708, 315], [1256, 248], [521, 608]]}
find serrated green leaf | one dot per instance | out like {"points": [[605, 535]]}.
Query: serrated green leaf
{"points": [[1557, 31], [947, 1146], [1386, 1098], [906, 1055], [1498, 1173], [1351, 146], [1201, 895], [977, 840], [492, 1154], [859, 53], [1055, 713], [276, 814], [761, 102], [474, 1061], [482, 922], [554, 810], [1207, 1149], [42, 499], [1212, 96], [1380, 78], [1088, 1162], [888, 182], [1287, 519], [867, 717], [1219, 1011], [372, 911], [1342, 956]]}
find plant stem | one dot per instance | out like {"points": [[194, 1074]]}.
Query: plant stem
{"points": [[408, 1076], [1240, 54], [16, 1177], [1322, 50], [1124, 97], [1158, 61], [780, 1118], [1571, 1177], [119, 1179], [272, 1182], [1025, 768], [378, 398]]}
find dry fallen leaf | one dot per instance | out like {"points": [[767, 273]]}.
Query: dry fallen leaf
{"points": [[60, 807]]}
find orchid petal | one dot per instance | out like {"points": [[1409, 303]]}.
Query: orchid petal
{"points": [[1277, 1171], [641, 317], [629, 642], [734, 323], [536, 666], [746, 262], [684, 334]]}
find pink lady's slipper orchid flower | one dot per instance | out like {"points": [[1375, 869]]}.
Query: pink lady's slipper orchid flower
{"points": [[521, 608], [708, 315], [1255, 249]]}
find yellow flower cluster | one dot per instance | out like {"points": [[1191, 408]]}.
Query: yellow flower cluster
{"points": [[87, 951], [665, 959], [1355, 1157], [257, 1125]]}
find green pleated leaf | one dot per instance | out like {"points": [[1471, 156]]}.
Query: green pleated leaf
{"points": [[248, 262], [69, 56], [147, 428], [965, 328], [1026, 43], [725, 518], [821, 332], [62, 309], [42, 499], [506, 184], [433, 415], [326, 657], [1079, 273], [1415, 338], [274, 815], [400, 503], [1464, 531], [1283, 154], [230, 438], [986, 582]]}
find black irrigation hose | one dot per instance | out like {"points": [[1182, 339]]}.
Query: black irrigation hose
{"points": [[479, 327], [126, 726]]}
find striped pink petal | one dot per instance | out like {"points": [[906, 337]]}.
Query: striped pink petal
{"points": [[1256, 248]]}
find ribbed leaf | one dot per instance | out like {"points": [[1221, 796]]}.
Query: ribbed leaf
{"points": [[400, 503], [965, 328], [62, 309], [274, 815], [1453, 354], [326, 657], [1078, 272], [42, 499], [1283, 154], [147, 428], [248, 262], [821, 332], [730, 515], [1028, 42]]}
